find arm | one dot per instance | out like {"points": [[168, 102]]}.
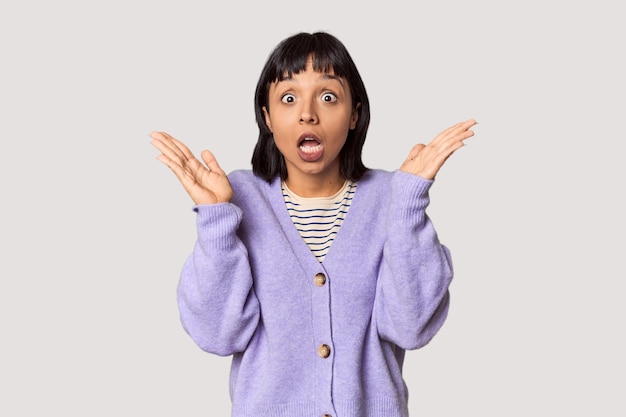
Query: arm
{"points": [[218, 307], [412, 297], [412, 293]]}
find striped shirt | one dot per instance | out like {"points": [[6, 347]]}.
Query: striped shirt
{"points": [[318, 219]]}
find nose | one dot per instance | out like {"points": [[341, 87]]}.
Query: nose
{"points": [[308, 114]]}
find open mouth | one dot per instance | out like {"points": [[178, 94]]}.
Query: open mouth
{"points": [[310, 145], [310, 148]]}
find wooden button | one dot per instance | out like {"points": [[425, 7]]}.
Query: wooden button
{"points": [[320, 279], [323, 351]]}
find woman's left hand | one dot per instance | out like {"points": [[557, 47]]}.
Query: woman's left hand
{"points": [[426, 160]]}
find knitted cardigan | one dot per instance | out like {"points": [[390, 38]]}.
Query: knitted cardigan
{"points": [[311, 339]]}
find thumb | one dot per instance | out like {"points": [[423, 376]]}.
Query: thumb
{"points": [[211, 162], [415, 150]]}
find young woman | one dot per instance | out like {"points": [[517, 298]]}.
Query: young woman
{"points": [[314, 272]]}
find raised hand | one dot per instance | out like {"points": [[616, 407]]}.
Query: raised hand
{"points": [[426, 160], [205, 184]]}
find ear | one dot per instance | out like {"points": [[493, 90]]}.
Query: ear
{"points": [[354, 117], [268, 122]]}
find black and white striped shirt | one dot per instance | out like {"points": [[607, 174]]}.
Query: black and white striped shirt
{"points": [[318, 219]]}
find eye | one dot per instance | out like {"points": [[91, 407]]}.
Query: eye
{"points": [[329, 97], [288, 98]]}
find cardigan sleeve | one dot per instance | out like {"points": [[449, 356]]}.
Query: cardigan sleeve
{"points": [[412, 296], [217, 305]]}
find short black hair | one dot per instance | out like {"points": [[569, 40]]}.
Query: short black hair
{"points": [[290, 57]]}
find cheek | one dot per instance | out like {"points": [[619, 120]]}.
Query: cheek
{"points": [[281, 142]]}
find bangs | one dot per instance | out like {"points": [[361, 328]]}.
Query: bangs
{"points": [[294, 55]]}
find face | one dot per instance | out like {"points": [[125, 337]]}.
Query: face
{"points": [[310, 115]]}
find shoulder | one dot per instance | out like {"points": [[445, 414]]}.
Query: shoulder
{"points": [[247, 186], [381, 178], [241, 177], [378, 184], [375, 179], [373, 188]]}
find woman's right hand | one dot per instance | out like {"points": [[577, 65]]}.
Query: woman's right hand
{"points": [[204, 184]]}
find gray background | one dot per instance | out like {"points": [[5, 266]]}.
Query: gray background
{"points": [[94, 230]]}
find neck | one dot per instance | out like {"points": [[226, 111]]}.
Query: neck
{"points": [[315, 185]]}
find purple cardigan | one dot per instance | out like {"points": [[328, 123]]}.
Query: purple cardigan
{"points": [[311, 339]]}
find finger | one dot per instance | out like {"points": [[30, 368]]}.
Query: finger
{"points": [[172, 155], [187, 171], [441, 136], [426, 160], [211, 162], [464, 127], [442, 153], [160, 142], [453, 132], [176, 167], [457, 137], [190, 179], [445, 154], [176, 151], [166, 145], [451, 142], [183, 148]]}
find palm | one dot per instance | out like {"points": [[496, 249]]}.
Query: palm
{"points": [[205, 183], [426, 160]]}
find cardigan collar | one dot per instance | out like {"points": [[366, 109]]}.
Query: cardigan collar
{"points": [[307, 260]]}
